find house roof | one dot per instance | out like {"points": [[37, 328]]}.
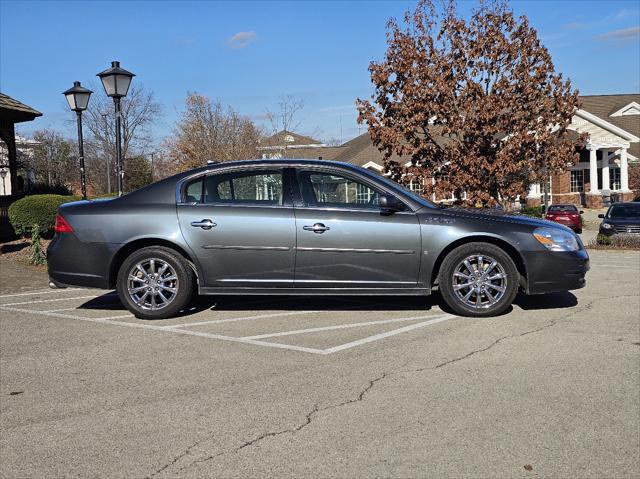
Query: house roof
{"points": [[15, 111], [361, 150], [287, 139], [314, 153], [604, 106]]}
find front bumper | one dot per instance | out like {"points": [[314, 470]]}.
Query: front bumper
{"points": [[548, 271]]}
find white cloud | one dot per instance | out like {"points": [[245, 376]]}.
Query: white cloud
{"points": [[242, 39], [339, 108], [631, 33]]}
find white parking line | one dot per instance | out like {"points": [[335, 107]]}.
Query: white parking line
{"points": [[43, 291], [377, 337], [330, 328], [110, 320], [107, 319], [93, 296], [77, 308], [233, 320]]}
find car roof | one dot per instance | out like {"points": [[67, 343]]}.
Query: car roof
{"points": [[282, 161]]}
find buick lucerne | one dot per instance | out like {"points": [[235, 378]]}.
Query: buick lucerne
{"points": [[304, 227]]}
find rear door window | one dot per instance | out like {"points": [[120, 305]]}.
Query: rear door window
{"points": [[263, 187]]}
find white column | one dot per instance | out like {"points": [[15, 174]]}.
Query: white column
{"points": [[593, 170], [534, 190], [624, 171], [606, 185]]}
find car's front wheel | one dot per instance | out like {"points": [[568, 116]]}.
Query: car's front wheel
{"points": [[478, 279], [155, 283]]}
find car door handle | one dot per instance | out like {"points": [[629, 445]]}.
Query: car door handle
{"points": [[205, 224], [316, 228]]}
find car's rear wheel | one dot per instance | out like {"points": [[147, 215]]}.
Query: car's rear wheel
{"points": [[155, 283], [478, 279]]}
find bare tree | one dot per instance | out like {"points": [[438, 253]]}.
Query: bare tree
{"points": [[209, 131], [52, 158], [140, 111]]}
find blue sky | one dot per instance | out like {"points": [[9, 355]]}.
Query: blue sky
{"points": [[247, 54]]}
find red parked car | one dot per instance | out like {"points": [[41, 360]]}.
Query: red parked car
{"points": [[568, 215]]}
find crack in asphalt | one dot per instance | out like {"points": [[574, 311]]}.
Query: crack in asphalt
{"points": [[371, 383]]}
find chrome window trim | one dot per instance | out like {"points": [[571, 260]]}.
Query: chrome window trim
{"points": [[354, 210], [347, 168]]}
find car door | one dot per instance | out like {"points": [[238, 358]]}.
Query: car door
{"points": [[241, 227], [345, 240]]}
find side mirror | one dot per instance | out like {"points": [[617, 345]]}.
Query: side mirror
{"points": [[599, 216], [390, 203]]}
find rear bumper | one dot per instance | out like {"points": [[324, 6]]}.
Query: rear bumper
{"points": [[549, 272], [74, 263], [574, 225]]}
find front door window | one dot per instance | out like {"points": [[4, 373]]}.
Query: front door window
{"points": [[333, 190]]}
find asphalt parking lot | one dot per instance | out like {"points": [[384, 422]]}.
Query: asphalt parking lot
{"points": [[333, 387]]}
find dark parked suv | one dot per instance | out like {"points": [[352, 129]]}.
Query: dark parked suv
{"points": [[306, 228], [621, 218]]}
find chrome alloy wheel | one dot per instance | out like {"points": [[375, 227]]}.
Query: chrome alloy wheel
{"points": [[479, 281], [152, 284]]}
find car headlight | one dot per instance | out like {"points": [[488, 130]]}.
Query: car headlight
{"points": [[606, 226], [555, 239]]}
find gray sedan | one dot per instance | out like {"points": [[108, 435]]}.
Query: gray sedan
{"points": [[304, 227]]}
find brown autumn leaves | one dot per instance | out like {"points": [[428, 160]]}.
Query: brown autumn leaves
{"points": [[475, 103]]}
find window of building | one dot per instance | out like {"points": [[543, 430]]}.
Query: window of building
{"points": [[614, 178], [577, 181], [415, 185]]}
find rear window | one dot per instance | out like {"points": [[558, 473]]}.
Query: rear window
{"points": [[563, 209], [630, 210]]}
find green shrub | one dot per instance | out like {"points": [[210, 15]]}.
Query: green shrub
{"points": [[535, 211], [36, 254], [618, 241], [36, 210], [45, 189], [604, 240]]}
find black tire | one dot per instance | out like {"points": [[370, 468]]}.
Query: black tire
{"points": [[579, 231], [452, 286], [183, 284]]}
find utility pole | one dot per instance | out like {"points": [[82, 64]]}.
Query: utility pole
{"points": [[152, 155]]}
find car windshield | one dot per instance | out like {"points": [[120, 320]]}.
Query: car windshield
{"points": [[630, 210], [562, 209]]}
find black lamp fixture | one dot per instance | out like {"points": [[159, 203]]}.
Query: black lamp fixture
{"points": [[78, 99], [116, 81]]}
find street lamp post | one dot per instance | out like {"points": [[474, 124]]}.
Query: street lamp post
{"points": [[78, 99], [116, 81], [3, 175], [108, 158]]}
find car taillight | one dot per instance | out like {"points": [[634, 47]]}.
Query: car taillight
{"points": [[62, 226]]}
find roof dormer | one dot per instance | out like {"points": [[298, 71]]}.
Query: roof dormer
{"points": [[632, 108]]}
